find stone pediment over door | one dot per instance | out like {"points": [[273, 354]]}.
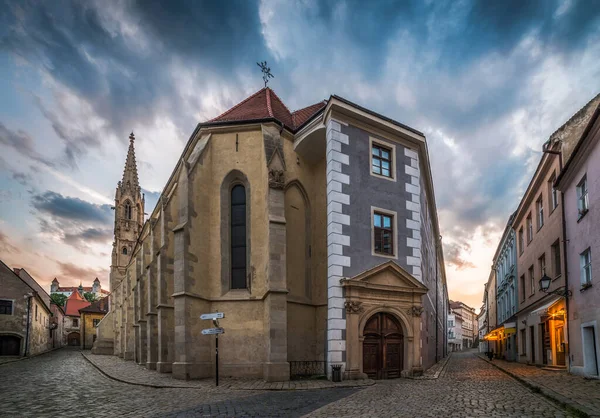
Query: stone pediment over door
{"points": [[387, 280]]}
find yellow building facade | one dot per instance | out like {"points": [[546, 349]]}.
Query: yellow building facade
{"points": [[254, 223]]}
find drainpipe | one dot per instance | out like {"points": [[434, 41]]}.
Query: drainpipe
{"points": [[29, 296]]}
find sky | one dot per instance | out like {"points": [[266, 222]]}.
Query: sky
{"points": [[487, 82]]}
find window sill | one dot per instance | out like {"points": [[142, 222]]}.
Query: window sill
{"points": [[538, 230], [582, 215], [557, 277], [381, 176], [585, 287], [384, 255]]}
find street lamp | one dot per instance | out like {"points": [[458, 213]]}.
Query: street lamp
{"points": [[545, 282]]}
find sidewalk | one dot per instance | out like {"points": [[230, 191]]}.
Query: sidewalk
{"points": [[130, 372], [574, 392]]}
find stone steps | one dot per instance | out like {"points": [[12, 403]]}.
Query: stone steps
{"points": [[103, 347]]}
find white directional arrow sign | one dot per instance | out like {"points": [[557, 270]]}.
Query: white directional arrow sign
{"points": [[214, 315], [212, 331]]}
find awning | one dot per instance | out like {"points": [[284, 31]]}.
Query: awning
{"points": [[510, 328], [542, 310]]}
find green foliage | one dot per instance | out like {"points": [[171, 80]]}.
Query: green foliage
{"points": [[58, 299], [90, 297]]}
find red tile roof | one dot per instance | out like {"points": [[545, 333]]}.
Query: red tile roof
{"points": [[100, 306], [74, 303], [265, 104]]}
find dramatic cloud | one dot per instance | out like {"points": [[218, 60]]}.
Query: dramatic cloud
{"points": [[71, 209], [486, 82], [6, 246], [74, 272]]}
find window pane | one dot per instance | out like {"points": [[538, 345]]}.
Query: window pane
{"points": [[376, 169], [378, 240], [377, 220], [238, 236], [385, 164], [385, 154], [375, 151], [387, 222], [387, 242], [238, 195], [238, 257], [385, 172], [238, 215], [238, 278]]}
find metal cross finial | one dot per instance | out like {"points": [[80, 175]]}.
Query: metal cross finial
{"points": [[131, 136], [266, 71]]}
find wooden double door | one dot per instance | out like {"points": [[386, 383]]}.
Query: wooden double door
{"points": [[383, 347]]}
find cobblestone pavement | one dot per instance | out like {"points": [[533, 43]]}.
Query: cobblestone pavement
{"points": [[130, 372], [576, 391], [468, 387], [62, 383]]}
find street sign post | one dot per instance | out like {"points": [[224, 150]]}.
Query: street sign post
{"points": [[213, 331], [215, 316]]}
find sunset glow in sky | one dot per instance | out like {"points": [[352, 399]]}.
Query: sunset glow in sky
{"points": [[487, 84]]}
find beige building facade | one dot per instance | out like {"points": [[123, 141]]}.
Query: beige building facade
{"points": [[264, 219]]}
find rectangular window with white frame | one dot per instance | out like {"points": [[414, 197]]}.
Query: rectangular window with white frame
{"points": [[531, 281], [582, 197], [552, 193], [585, 260], [540, 212], [384, 230], [529, 229], [383, 159]]}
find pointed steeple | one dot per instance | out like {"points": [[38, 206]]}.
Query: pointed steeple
{"points": [[130, 175]]}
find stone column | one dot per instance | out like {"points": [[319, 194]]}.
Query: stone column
{"points": [[336, 241], [136, 324], [276, 367], [151, 313], [164, 286], [128, 327], [192, 356], [354, 342]]}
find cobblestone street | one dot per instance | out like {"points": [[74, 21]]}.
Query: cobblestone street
{"points": [[63, 383]]}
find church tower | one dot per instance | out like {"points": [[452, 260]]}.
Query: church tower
{"points": [[129, 217]]}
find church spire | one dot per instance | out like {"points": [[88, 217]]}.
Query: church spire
{"points": [[130, 174]]}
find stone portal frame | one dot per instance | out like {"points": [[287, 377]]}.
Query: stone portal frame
{"points": [[233, 178], [385, 288]]}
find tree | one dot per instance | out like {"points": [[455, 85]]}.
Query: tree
{"points": [[58, 299], [90, 297]]}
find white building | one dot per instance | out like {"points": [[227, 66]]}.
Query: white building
{"points": [[455, 332]]}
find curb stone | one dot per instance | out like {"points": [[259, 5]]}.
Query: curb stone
{"points": [[556, 397], [254, 386]]}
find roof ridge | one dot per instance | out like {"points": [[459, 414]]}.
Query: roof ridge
{"points": [[237, 105], [269, 109], [280, 101]]}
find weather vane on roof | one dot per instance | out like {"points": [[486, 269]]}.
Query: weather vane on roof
{"points": [[266, 71]]}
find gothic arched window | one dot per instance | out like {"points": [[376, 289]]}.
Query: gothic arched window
{"points": [[127, 210], [124, 251], [238, 237]]}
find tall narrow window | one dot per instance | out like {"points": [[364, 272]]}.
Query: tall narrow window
{"points": [[127, 210], [529, 229], [542, 262], [124, 251], [384, 234], [521, 241], [552, 193], [556, 258], [531, 281], [586, 267], [540, 211], [523, 288], [238, 237], [582, 197]]}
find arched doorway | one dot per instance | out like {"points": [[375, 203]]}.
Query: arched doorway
{"points": [[383, 347], [10, 345], [73, 339]]}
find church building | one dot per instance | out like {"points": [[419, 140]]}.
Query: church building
{"points": [[315, 232]]}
